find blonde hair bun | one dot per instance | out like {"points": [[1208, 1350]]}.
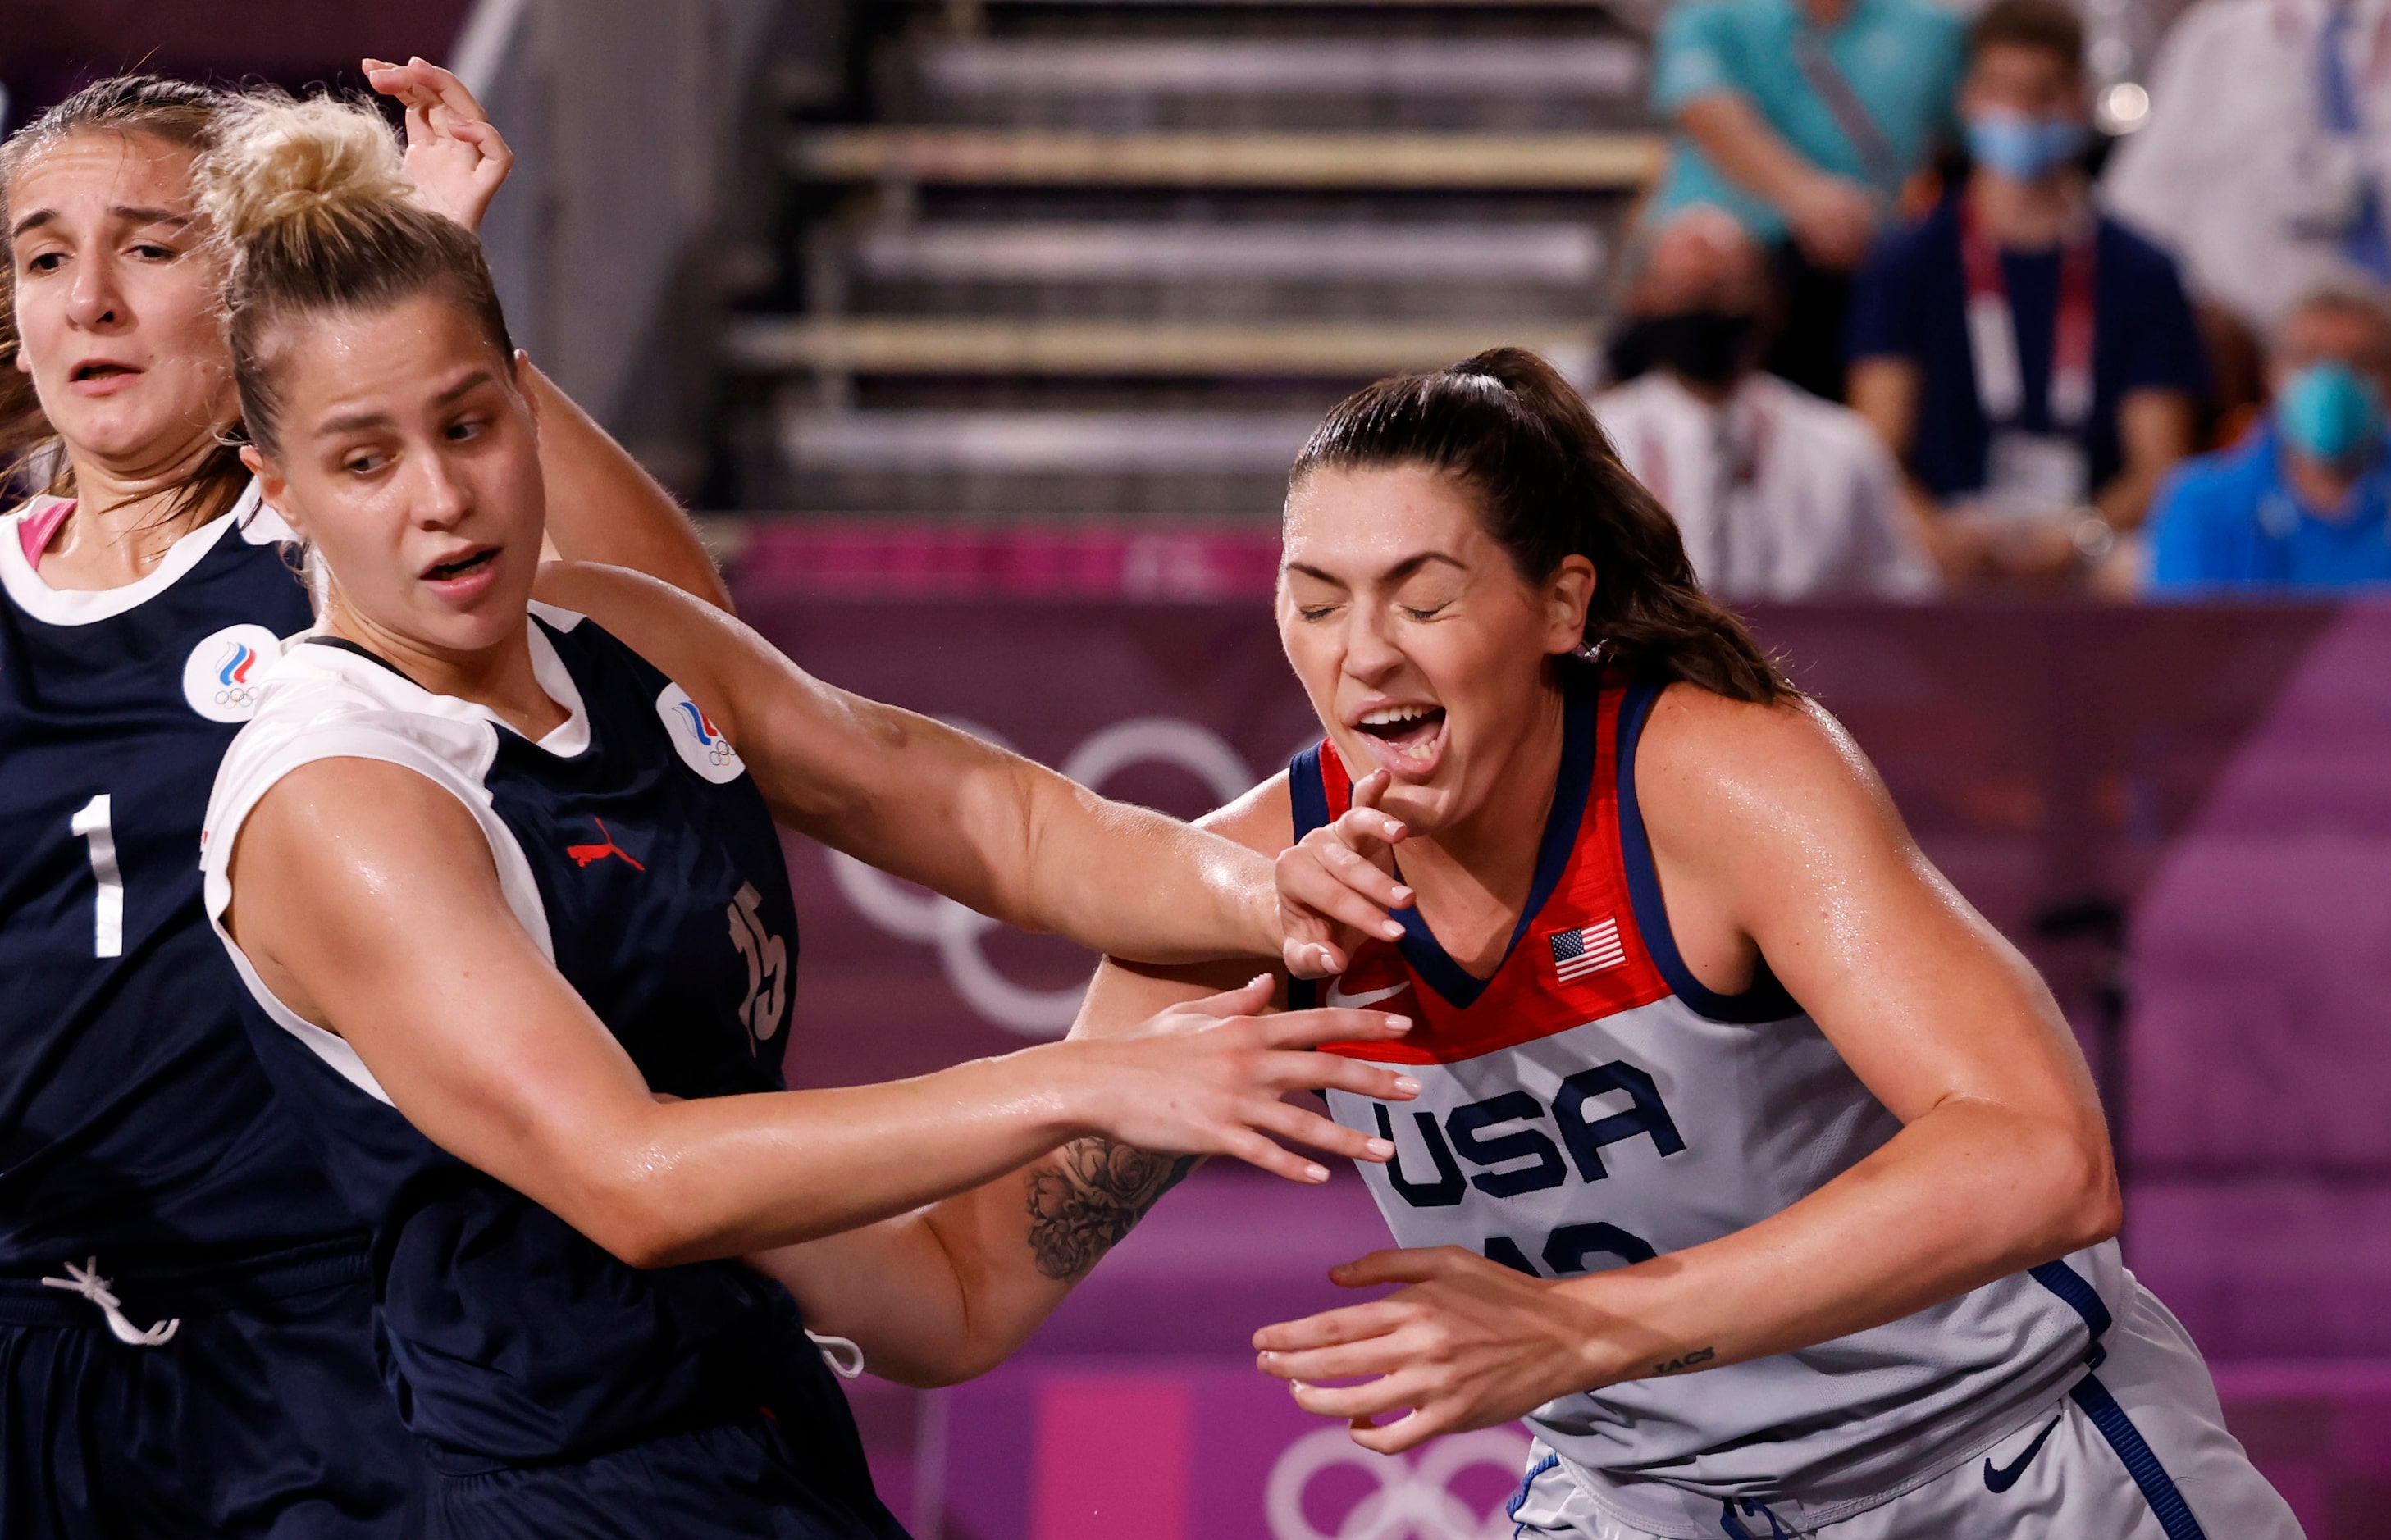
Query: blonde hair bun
{"points": [[299, 171]]}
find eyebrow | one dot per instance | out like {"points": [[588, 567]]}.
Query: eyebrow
{"points": [[1406, 568], [354, 421], [125, 212]]}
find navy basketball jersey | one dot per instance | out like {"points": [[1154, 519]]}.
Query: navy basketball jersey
{"points": [[634, 848], [1592, 1105], [134, 1121]]}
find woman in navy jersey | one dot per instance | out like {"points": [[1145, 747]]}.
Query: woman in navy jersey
{"points": [[1751, 1167], [520, 948], [185, 1321]]}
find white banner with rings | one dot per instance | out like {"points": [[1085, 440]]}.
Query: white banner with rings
{"points": [[1412, 1496], [957, 931]]}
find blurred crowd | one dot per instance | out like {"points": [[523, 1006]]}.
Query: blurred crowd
{"points": [[1900, 321]]}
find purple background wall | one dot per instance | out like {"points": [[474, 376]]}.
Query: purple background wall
{"points": [[2218, 777]]}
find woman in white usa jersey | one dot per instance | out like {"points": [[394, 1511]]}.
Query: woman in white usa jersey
{"points": [[1752, 1166]]}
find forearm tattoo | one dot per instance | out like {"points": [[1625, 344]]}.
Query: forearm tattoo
{"points": [[1080, 1209]]}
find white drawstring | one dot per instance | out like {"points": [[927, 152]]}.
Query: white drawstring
{"points": [[829, 1346], [86, 1281]]}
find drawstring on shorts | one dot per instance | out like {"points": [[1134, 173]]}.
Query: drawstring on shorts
{"points": [[1733, 1526], [86, 1281], [830, 1347]]}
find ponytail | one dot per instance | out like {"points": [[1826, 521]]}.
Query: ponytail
{"points": [[1509, 427]]}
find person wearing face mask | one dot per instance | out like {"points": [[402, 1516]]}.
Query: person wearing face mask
{"points": [[2305, 503], [1779, 496], [2034, 365], [2262, 163]]}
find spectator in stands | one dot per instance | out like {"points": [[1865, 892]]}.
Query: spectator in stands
{"points": [[1781, 496], [2034, 365], [1804, 119], [2259, 165], [2303, 503]]}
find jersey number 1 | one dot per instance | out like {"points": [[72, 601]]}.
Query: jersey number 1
{"points": [[91, 824]]}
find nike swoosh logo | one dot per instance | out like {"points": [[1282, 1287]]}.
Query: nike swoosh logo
{"points": [[1340, 1000], [2001, 1478]]}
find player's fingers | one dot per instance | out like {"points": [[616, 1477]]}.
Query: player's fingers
{"points": [[1370, 831], [1359, 870], [452, 92], [1246, 1145], [1245, 1000], [1404, 1432], [1317, 1072], [1310, 959], [1344, 1360], [1370, 788], [1411, 1265], [1304, 1029], [1372, 1398], [1303, 1126], [1354, 1323], [1330, 880], [484, 136]]}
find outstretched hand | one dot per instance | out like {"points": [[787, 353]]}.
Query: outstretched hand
{"points": [[1469, 1344], [454, 155], [1205, 1078], [1336, 884]]}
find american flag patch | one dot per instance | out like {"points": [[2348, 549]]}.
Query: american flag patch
{"points": [[1579, 953]]}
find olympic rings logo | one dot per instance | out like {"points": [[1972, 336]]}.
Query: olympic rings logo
{"points": [[1415, 1498], [957, 931]]}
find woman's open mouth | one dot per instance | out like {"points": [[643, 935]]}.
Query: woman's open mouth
{"points": [[444, 571], [100, 377], [1408, 739]]}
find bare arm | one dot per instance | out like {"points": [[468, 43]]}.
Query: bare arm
{"points": [[1007, 836], [949, 1291], [1772, 837], [2154, 429], [367, 899], [1833, 217]]}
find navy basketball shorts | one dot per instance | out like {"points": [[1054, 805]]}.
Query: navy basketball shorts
{"points": [[2134, 1449], [261, 1418], [733, 1481]]}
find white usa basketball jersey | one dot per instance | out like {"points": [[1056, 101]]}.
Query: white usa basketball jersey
{"points": [[1592, 1105]]}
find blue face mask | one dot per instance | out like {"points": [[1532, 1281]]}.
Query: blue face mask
{"points": [[2327, 413], [2023, 147]]}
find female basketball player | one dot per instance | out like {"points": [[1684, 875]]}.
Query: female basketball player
{"points": [[185, 1321], [1754, 1168], [493, 878]]}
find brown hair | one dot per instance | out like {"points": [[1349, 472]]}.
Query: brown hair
{"points": [[2051, 26], [312, 205], [1508, 426], [175, 112]]}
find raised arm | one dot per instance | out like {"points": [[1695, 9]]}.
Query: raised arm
{"points": [[367, 899], [602, 505], [1773, 838], [999, 833]]}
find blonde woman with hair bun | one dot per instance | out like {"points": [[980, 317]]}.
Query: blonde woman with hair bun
{"points": [[495, 859], [185, 1321]]}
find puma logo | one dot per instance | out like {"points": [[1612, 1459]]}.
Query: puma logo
{"points": [[583, 854]]}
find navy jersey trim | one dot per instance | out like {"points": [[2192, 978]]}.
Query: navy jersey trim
{"points": [[1308, 791], [1767, 1000], [2174, 1515], [2077, 1294], [369, 656]]}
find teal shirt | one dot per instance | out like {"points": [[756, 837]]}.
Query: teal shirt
{"points": [[1903, 58]]}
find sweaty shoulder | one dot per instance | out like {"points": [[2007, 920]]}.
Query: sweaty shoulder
{"points": [[1261, 820], [1717, 779]]}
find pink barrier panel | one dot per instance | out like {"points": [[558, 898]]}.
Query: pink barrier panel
{"points": [[1206, 1449]]}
